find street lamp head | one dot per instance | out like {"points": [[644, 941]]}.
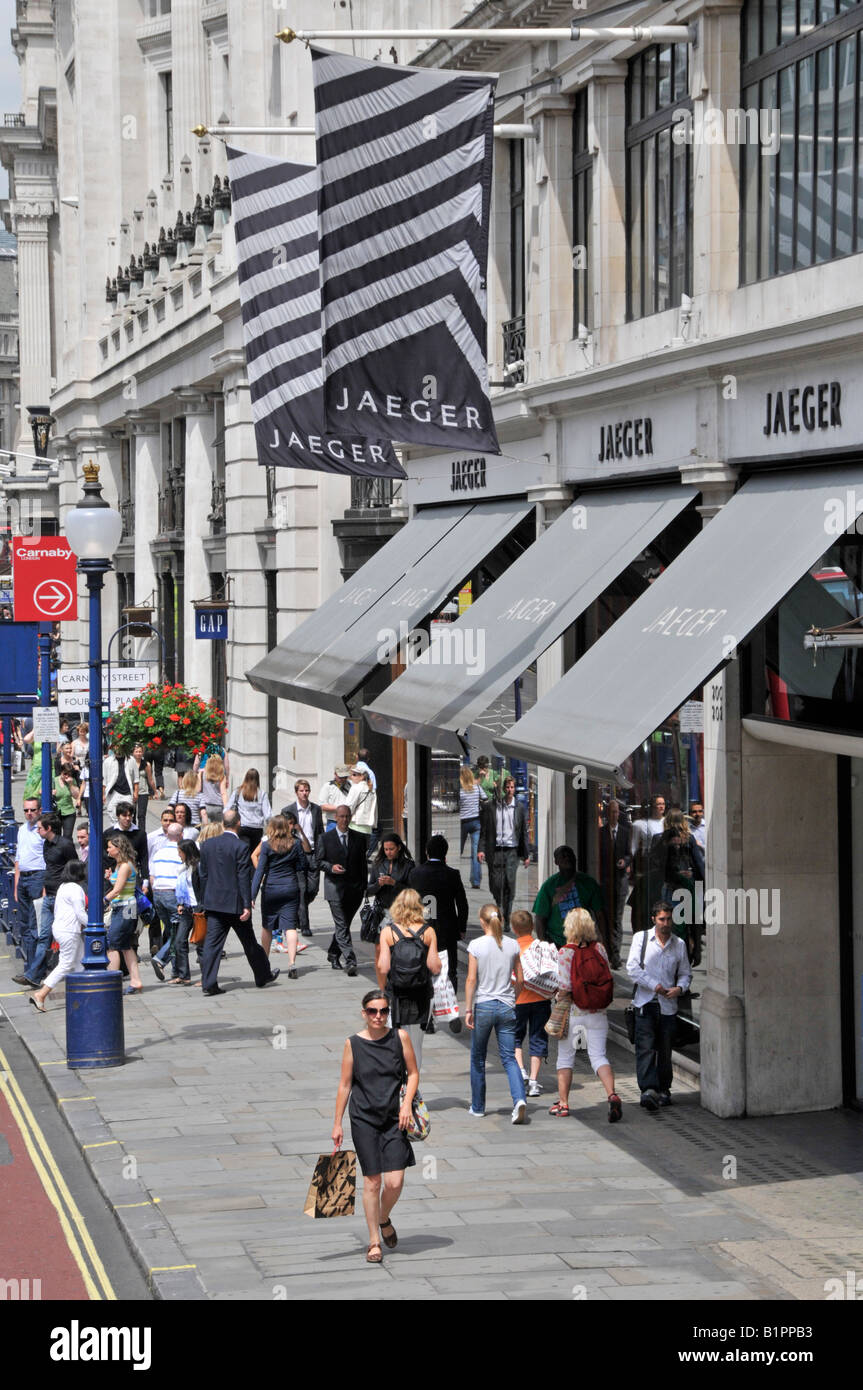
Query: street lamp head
{"points": [[93, 529]]}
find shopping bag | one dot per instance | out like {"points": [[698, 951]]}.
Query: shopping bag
{"points": [[333, 1186], [445, 1004]]}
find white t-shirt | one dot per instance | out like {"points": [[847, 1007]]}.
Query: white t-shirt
{"points": [[495, 965]]}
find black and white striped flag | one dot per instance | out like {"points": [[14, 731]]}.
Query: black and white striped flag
{"points": [[404, 175], [276, 229]]}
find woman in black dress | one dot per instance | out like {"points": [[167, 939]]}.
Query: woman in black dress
{"points": [[376, 1063], [388, 875], [282, 861], [411, 1005]]}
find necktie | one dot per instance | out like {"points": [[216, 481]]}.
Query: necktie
{"points": [[344, 840]]}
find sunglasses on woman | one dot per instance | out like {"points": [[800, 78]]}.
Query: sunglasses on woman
{"points": [[381, 1012]]}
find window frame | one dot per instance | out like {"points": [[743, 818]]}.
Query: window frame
{"points": [[583, 160]]}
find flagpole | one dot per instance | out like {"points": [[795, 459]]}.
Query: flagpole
{"points": [[501, 132], [656, 33]]}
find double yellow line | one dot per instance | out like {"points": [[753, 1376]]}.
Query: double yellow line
{"points": [[74, 1227]]}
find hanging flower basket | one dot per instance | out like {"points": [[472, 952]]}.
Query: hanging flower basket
{"points": [[165, 717]]}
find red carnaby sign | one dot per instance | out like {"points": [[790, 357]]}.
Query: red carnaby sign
{"points": [[44, 580]]}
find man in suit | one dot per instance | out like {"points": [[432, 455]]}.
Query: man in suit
{"points": [[503, 842], [442, 889], [614, 861], [225, 872], [343, 859], [311, 822]]}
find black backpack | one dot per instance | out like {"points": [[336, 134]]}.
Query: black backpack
{"points": [[408, 961]]}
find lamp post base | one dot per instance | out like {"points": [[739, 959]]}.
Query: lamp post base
{"points": [[94, 1019]]}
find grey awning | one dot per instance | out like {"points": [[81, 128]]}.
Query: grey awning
{"points": [[471, 662], [685, 626], [329, 656]]}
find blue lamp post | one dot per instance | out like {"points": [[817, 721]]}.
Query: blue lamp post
{"points": [[94, 997]]}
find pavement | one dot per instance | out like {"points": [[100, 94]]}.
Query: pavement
{"points": [[204, 1145]]}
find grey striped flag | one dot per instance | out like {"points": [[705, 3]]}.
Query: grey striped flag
{"points": [[404, 175], [276, 227]]}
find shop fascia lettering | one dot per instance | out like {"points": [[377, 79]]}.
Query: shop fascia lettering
{"points": [[804, 407], [685, 622]]}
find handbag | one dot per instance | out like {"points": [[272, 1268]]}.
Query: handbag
{"points": [[558, 1020], [420, 1121], [445, 1003], [333, 1186], [146, 911], [371, 916], [199, 929], [630, 1011]]}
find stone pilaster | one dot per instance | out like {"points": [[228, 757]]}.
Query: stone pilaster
{"points": [[606, 136], [30, 224], [146, 452], [198, 412], [245, 513], [191, 100], [548, 209]]}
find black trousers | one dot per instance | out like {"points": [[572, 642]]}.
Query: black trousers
{"points": [[654, 1037], [615, 891], [502, 870], [343, 911], [218, 926]]}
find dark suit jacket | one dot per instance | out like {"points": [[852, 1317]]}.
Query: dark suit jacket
{"points": [[401, 871], [488, 828], [437, 880], [610, 852], [226, 875], [317, 821], [352, 883]]}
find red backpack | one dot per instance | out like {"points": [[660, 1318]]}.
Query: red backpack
{"points": [[591, 986]]}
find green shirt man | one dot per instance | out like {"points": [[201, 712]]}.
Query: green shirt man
{"points": [[561, 893]]}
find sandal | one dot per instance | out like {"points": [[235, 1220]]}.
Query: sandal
{"points": [[390, 1241], [130, 989], [559, 1109], [374, 1259]]}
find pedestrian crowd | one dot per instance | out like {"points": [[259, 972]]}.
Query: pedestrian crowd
{"points": [[218, 857]]}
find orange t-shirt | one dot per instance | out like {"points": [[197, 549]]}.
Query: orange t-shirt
{"points": [[527, 996]]}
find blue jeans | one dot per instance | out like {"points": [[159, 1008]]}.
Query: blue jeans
{"points": [[165, 907], [181, 946], [493, 1015], [37, 971], [470, 828], [30, 885]]}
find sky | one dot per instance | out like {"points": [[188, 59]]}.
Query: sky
{"points": [[10, 86]]}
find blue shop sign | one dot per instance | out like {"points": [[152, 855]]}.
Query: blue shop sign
{"points": [[19, 677], [212, 624]]}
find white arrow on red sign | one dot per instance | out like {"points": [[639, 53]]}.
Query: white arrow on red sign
{"points": [[53, 598]]}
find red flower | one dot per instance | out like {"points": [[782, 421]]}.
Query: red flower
{"points": [[187, 721], [157, 740], [175, 718]]}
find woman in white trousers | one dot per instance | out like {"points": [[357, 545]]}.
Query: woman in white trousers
{"points": [[70, 915], [579, 931]]}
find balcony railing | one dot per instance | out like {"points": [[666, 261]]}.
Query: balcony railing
{"points": [[13, 119], [271, 491], [127, 514], [216, 517], [513, 350], [372, 494]]}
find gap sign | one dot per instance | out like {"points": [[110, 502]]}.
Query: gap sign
{"points": [[212, 624], [45, 583]]}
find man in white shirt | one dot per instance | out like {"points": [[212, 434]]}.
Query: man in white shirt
{"points": [[165, 866], [333, 794], [82, 838], [697, 826], [29, 877], [659, 966]]}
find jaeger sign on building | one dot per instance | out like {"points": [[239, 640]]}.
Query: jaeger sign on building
{"points": [[814, 409]]}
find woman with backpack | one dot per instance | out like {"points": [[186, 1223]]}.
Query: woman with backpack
{"points": [[585, 976], [492, 963], [407, 961]]}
